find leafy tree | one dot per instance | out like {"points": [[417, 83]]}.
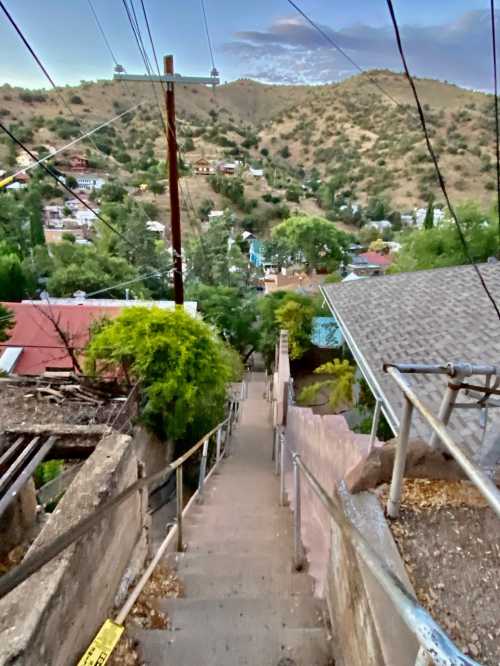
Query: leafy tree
{"points": [[206, 206], [71, 181], [182, 365], [285, 152], [7, 321], [310, 240], [113, 192], [215, 258], [296, 318], [232, 311], [33, 204], [429, 215], [339, 388], [13, 281], [441, 246], [270, 324]]}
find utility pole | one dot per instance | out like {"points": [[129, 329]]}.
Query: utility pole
{"points": [[172, 149]]}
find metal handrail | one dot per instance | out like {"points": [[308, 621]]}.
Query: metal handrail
{"points": [[483, 483], [434, 642], [32, 563]]}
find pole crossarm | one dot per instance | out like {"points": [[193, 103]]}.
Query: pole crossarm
{"points": [[169, 78]]}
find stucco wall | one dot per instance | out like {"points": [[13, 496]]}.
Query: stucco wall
{"points": [[50, 619]]}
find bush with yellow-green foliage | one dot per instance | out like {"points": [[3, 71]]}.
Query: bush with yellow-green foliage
{"points": [[339, 388], [182, 364]]}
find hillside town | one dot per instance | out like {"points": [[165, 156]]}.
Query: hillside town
{"points": [[249, 350]]}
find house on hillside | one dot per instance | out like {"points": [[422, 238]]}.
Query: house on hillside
{"points": [[434, 317], [256, 252], [299, 282], [215, 215], [24, 160], [370, 263], [227, 168], [202, 167], [379, 225], [256, 173], [90, 182], [78, 163]]}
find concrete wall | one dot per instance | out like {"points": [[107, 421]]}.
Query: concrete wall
{"points": [[330, 450], [51, 618]]}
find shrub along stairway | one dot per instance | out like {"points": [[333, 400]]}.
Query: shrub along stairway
{"points": [[243, 603]]}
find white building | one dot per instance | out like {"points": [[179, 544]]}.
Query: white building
{"points": [[85, 218], [215, 215], [89, 182], [380, 225], [156, 227], [257, 173]]}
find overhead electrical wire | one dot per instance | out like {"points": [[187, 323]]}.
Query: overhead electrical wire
{"points": [[434, 159], [21, 145], [40, 64], [103, 34], [497, 123], [75, 141], [333, 43], [207, 32]]}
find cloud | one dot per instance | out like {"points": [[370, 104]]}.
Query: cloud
{"points": [[292, 51]]}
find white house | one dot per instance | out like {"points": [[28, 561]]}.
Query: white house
{"points": [[90, 182], [85, 218], [156, 227], [420, 214], [215, 215], [380, 225], [257, 173]]}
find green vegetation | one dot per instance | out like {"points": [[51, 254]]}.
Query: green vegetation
{"points": [[313, 241], [47, 471], [339, 388], [183, 367]]}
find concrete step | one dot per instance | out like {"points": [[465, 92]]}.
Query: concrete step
{"points": [[200, 586], [239, 614], [289, 647], [230, 565], [244, 545]]}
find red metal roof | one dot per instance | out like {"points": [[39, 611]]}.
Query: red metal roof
{"points": [[376, 258], [36, 334]]}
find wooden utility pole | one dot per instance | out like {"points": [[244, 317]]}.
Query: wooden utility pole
{"points": [[173, 183], [170, 78]]}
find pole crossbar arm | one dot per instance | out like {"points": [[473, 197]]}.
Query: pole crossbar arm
{"points": [[170, 78]]}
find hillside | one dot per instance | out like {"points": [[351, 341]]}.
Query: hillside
{"points": [[347, 130]]}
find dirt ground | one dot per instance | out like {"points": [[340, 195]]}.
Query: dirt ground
{"points": [[449, 540], [162, 584]]}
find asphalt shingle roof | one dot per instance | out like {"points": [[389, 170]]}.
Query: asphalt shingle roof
{"points": [[432, 316]]}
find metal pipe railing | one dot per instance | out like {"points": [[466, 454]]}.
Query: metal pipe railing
{"points": [[434, 643], [483, 483], [32, 563]]}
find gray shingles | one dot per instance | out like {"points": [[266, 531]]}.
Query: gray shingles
{"points": [[429, 316]]}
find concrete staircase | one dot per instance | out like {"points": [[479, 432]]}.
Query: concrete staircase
{"points": [[243, 603]]}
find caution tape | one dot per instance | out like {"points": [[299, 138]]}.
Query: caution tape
{"points": [[103, 644]]}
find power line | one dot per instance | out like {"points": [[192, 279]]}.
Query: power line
{"points": [[497, 126], [63, 185], [44, 70], [103, 34], [75, 141], [145, 276], [331, 41], [207, 32], [440, 177]]}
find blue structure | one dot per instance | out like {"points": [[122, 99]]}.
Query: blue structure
{"points": [[326, 333], [256, 256]]}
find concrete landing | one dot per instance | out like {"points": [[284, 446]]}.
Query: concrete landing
{"points": [[243, 603]]}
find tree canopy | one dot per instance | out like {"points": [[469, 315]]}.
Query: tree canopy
{"points": [[182, 365], [314, 241]]}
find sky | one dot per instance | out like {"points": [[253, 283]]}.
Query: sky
{"points": [[262, 39]]}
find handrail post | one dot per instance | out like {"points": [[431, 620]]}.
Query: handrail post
{"points": [[400, 460], [203, 470], [178, 476], [282, 467], [375, 422], [445, 409], [218, 441], [297, 517]]}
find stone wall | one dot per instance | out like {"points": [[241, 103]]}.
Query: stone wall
{"points": [[51, 618]]}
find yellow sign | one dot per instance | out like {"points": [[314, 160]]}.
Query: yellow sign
{"points": [[103, 645]]}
